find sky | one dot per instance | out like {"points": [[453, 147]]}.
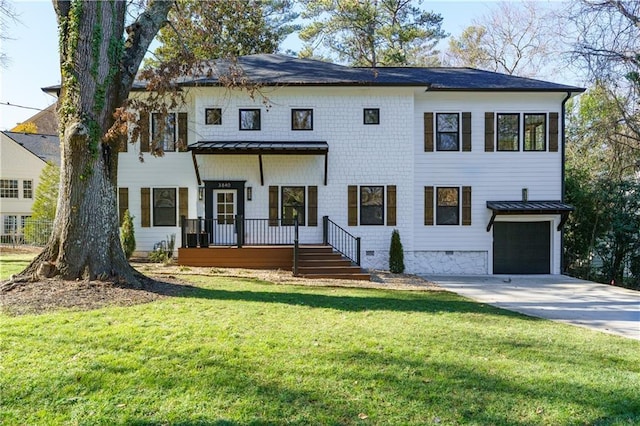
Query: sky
{"points": [[34, 61]]}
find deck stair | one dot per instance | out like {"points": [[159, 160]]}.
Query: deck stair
{"points": [[322, 262]]}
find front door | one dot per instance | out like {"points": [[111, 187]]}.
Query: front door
{"points": [[224, 213]]}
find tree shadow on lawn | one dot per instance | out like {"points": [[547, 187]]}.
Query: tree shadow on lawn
{"points": [[389, 300]]}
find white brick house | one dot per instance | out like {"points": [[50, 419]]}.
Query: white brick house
{"points": [[429, 152]]}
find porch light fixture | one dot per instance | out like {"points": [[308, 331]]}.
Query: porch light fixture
{"points": [[525, 195], [249, 193], [200, 193]]}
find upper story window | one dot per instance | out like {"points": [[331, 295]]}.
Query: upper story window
{"points": [[293, 205], [8, 188], [301, 119], [249, 119], [508, 132], [535, 131], [448, 132], [27, 189], [164, 207], [371, 115], [213, 116], [163, 130]]}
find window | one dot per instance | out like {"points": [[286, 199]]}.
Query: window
{"points": [[447, 206], [163, 130], [10, 224], [27, 189], [213, 116], [164, 207], [535, 132], [293, 205], [8, 188], [447, 132], [372, 116], [249, 119], [301, 119], [372, 205], [508, 132]]}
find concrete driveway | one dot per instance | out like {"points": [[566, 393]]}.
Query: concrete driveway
{"points": [[556, 297]]}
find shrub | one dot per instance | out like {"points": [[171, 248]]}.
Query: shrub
{"points": [[396, 254], [127, 237]]}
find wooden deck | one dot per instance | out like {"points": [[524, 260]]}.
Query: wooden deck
{"points": [[315, 261], [250, 257]]}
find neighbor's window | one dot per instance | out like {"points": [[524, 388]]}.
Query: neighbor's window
{"points": [[508, 131], [535, 132], [8, 188], [23, 221], [293, 205], [372, 205], [448, 131], [163, 130], [447, 206], [27, 189], [249, 119], [301, 119], [10, 224], [164, 207], [372, 116], [213, 116]]}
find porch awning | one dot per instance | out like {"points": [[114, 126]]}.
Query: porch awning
{"points": [[529, 207], [260, 149]]}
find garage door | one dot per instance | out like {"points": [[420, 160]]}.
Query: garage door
{"points": [[521, 247]]}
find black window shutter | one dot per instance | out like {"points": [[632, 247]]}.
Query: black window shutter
{"points": [[391, 205], [428, 205], [144, 132], [273, 206], [123, 202], [352, 202], [466, 131], [182, 132], [488, 131], [312, 214], [428, 132], [466, 205], [553, 132], [145, 207]]}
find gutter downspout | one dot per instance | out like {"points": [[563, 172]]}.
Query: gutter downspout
{"points": [[562, 138]]}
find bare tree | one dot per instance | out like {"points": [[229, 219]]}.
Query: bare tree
{"points": [[7, 14], [98, 67], [513, 38]]}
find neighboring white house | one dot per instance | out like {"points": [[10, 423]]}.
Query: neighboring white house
{"points": [[22, 158], [466, 164]]}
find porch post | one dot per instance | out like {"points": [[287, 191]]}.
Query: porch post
{"points": [[358, 251], [295, 248], [183, 232], [325, 230], [239, 229]]}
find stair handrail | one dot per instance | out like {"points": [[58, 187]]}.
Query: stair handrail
{"points": [[296, 247], [341, 240]]}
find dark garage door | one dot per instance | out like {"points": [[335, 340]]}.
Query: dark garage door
{"points": [[521, 247]]}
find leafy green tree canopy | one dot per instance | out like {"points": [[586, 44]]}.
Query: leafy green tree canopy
{"points": [[223, 28], [372, 32], [46, 196]]}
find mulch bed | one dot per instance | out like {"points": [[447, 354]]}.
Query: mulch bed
{"points": [[160, 282]]}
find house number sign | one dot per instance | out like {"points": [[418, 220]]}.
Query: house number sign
{"points": [[224, 185]]}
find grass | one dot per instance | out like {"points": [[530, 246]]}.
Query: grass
{"points": [[13, 264], [238, 352]]}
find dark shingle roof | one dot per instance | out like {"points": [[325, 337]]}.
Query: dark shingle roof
{"points": [[46, 147], [274, 69]]}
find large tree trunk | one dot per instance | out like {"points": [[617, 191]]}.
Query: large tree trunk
{"points": [[98, 67]]}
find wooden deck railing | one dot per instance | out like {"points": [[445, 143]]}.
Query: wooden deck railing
{"points": [[238, 232]]}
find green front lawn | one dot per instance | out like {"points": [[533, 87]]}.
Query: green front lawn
{"points": [[237, 352]]}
